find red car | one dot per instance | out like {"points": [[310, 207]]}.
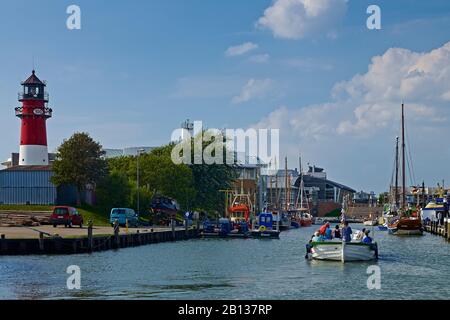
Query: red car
{"points": [[66, 216]]}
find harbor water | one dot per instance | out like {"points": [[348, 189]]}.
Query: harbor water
{"points": [[411, 268]]}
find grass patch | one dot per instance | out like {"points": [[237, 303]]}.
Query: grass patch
{"points": [[99, 216]]}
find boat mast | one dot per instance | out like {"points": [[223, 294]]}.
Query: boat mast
{"points": [[270, 204], [404, 159], [277, 193], [424, 202], [396, 175], [302, 186], [286, 188]]}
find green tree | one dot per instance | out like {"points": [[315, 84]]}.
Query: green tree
{"points": [[114, 191], [79, 162], [383, 198], [211, 179], [158, 175]]}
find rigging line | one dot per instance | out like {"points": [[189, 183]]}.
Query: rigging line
{"points": [[392, 182], [393, 170], [409, 171], [410, 157]]}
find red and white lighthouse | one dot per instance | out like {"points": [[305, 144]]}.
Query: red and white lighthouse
{"points": [[33, 114]]}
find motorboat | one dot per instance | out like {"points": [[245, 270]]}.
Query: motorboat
{"points": [[338, 250]]}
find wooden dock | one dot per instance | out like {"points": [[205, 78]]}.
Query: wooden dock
{"points": [[439, 230], [51, 244]]}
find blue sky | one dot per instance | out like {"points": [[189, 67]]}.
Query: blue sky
{"points": [[137, 69]]}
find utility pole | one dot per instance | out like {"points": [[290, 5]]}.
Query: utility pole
{"points": [[137, 180]]}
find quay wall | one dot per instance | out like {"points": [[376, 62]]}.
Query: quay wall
{"points": [[67, 246], [435, 228]]}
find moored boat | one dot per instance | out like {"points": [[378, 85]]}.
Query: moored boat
{"points": [[306, 221], [407, 222], [265, 228], [224, 228], [282, 220], [406, 226], [370, 223]]}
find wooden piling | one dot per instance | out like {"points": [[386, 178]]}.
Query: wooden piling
{"points": [[90, 237], [3, 243], [116, 234], [41, 241], [172, 222], [448, 229]]}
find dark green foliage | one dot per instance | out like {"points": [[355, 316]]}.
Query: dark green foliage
{"points": [[79, 162], [114, 191]]}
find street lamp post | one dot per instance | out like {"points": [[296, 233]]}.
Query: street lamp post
{"points": [[137, 180]]}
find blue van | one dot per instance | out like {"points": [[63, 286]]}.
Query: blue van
{"points": [[121, 215]]}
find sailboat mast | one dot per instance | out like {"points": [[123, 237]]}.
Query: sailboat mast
{"points": [[404, 158], [286, 188], [396, 174], [301, 184]]}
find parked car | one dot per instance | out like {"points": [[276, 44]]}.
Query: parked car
{"points": [[67, 217], [122, 215]]}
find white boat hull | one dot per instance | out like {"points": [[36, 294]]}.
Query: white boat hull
{"points": [[344, 252]]}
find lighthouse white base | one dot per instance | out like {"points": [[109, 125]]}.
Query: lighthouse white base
{"points": [[33, 155]]}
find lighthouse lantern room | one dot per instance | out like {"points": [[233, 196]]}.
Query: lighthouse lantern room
{"points": [[33, 113]]}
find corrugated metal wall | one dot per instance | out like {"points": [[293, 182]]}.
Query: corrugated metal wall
{"points": [[27, 187]]}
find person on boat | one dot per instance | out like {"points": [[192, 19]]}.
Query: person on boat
{"points": [[309, 247], [367, 239], [324, 228], [347, 232], [337, 233], [329, 233], [361, 234], [317, 237]]}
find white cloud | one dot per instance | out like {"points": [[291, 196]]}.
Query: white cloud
{"points": [[368, 105], [422, 79], [353, 134], [296, 19], [254, 88], [241, 49], [260, 58]]}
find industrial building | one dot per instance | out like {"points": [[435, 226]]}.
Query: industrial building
{"points": [[126, 152], [325, 197], [29, 185]]}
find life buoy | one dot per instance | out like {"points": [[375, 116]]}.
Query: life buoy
{"points": [[262, 228]]}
